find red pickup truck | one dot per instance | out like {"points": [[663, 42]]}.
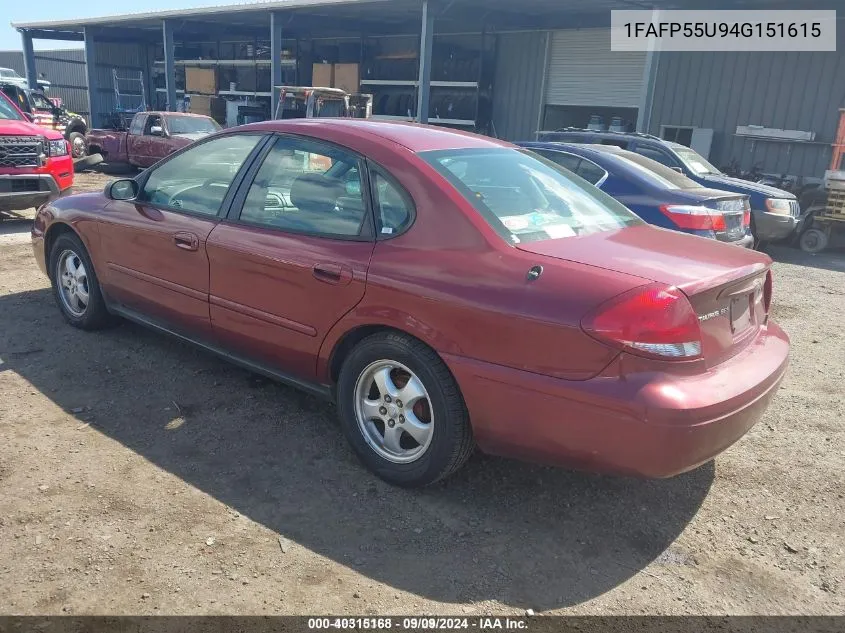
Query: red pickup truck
{"points": [[35, 163], [149, 137]]}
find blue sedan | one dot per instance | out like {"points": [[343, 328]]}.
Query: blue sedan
{"points": [[658, 194]]}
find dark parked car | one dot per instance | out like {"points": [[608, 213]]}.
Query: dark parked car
{"points": [[659, 195], [445, 289], [775, 213]]}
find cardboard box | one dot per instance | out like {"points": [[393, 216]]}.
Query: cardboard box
{"points": [[322, 75], [347, 77], [201, 105], [200, 80]]}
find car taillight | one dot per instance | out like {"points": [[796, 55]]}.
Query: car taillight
{"points": [[746, 213], [694, 217], [656, 321]]}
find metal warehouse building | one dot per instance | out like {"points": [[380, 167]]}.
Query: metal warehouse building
{"points": [[498, 67]]}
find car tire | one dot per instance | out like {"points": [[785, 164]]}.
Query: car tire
{"points": [[75, 285], [78, 147], [813, 241], [759, 245], [433, 441]]}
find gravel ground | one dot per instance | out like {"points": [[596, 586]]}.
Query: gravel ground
{"points": [[140, 475]]}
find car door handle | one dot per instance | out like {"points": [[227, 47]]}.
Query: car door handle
{"points": [[186, 241], [336, 274]]}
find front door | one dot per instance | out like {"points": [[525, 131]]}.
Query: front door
{"points": [[293, 259], [149, 147], [155, 245]]}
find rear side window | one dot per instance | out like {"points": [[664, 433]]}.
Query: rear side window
{"points": [[589, 171], [394, 209], [307, 187], [563, 159], [137, 125], [655, 154], [526, 198]]}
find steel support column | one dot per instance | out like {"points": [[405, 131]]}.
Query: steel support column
{"points": [[29, 60], [169, 67], [426, 43], [649, 80], [91, 78], [275, 59]]}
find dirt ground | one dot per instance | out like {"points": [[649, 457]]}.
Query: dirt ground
{"points": [[142, 476]]}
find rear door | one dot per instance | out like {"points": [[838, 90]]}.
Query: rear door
{"points": [[155, 245], [292, 258]]}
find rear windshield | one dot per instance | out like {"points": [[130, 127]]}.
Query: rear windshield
{"points": [[191, 125], [527, 198], [657, 174]]}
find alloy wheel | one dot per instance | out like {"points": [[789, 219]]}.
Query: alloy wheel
{"points": [[393, 411], [72, 280]]}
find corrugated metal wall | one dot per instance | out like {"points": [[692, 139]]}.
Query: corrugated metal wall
{"points": [[64, 69], [126, 59], [797, 91], [518, 84], [583, 71]]}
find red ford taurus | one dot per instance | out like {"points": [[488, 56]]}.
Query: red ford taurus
{"points": [[446, 290]]}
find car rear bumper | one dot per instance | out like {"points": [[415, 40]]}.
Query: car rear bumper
{"points": [[642, 423], [774, 226]]}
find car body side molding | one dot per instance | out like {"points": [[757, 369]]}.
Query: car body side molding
{"points": [[322, 391]]}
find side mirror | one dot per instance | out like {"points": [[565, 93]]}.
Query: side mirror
{"points": [[677, 169], [157, 130], [123, 189], [29, 117]]}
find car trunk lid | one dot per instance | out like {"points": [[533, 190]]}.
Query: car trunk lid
{"points": [[725, 284]]}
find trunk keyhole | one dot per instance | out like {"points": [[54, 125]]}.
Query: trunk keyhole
{"points": [[534, 272]]}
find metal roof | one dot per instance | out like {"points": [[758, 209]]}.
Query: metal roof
{"points": [[361, 15], [142, 16]]}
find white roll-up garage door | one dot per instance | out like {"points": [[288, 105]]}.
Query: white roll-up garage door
{"points": [[583, 71]]}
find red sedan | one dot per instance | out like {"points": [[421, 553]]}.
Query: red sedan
{"points": [[447, 290]]}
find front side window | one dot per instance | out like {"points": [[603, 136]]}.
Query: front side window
{"points": [[40, 102], [308, 187], [526, 198], [198, 179], [153, 120], [8, 111]]}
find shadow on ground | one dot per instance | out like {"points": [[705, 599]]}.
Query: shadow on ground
{"points": [[14, 224], [521, 534]]}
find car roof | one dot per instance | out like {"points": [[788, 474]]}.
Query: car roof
{"points": [[412, 136]]}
